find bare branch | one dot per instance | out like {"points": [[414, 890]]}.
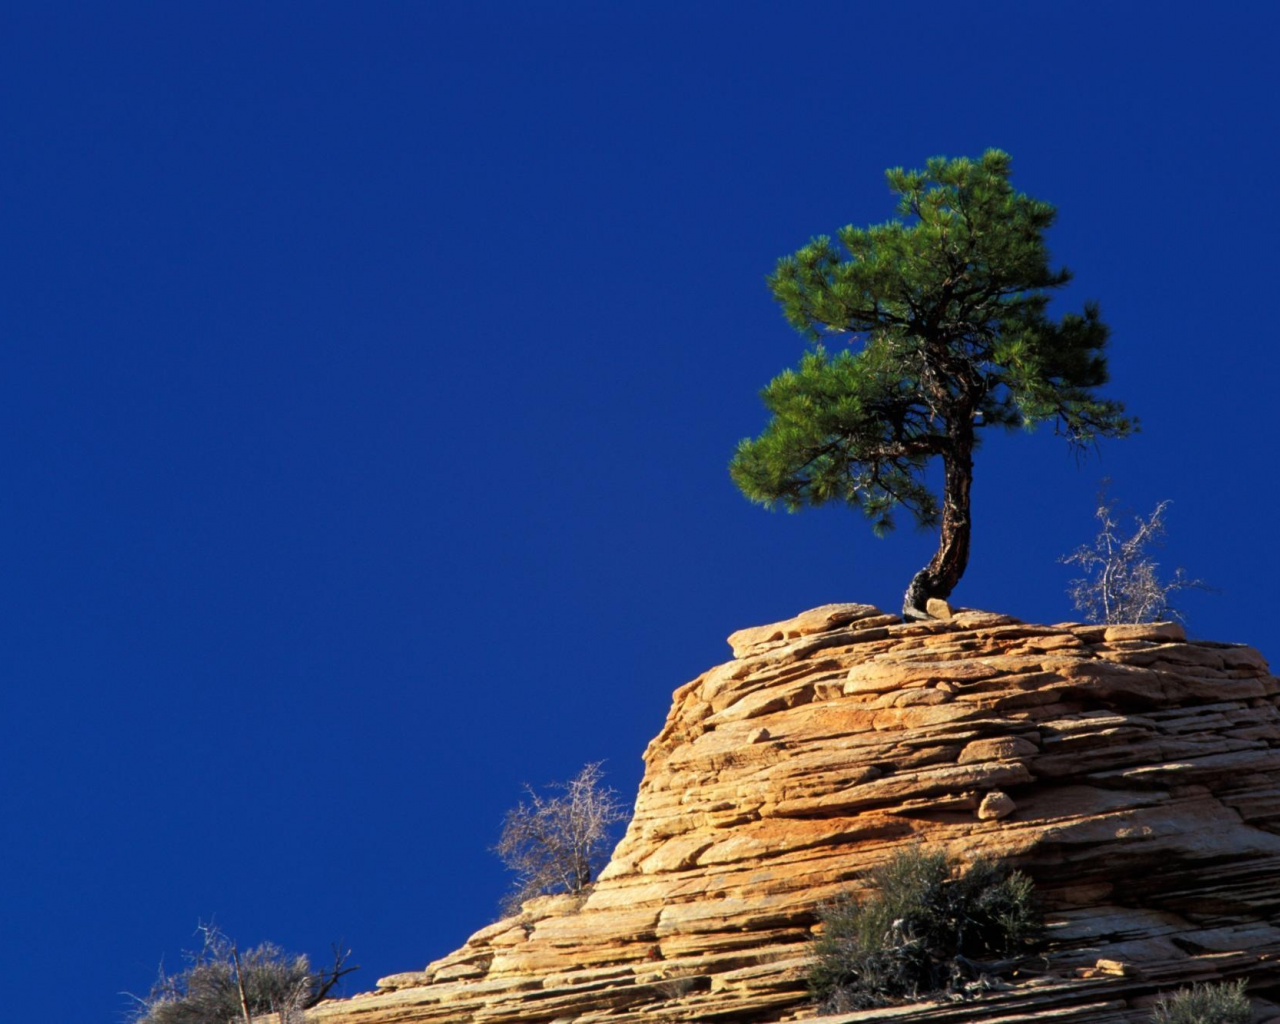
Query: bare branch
{"points": [[554, 844], [221, 984], [1120, 582]]}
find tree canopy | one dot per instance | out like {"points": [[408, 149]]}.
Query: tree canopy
{"points": [[944, 312]]}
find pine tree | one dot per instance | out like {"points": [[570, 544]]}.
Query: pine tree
{"points": [[945, 314]]}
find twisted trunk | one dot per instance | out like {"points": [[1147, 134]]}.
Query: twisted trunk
{"points": [[940, 576]]}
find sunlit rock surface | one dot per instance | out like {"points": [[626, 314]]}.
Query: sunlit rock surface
{"points": [[1134, 774]]}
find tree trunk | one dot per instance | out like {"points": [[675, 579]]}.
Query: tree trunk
{"points": [[244, 999], [940, 576]]}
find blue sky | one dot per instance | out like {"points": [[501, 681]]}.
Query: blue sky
{"points": [[370, 373]]}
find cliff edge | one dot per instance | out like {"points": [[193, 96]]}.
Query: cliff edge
{"points": [[1134, 774]]}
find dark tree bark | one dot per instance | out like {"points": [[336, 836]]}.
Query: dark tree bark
{"points": [[940, 576], [945, 310], [326, 980]]}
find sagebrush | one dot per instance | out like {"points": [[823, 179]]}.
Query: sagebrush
{"points": [[1226, 1003], [925, 928], [222, 984]]}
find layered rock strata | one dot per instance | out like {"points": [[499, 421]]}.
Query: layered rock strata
{"points": [[1133, 774]]}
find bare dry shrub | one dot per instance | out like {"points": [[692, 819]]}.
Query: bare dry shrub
{"points": [[1120, 582], [223, 985], [555, 844]]}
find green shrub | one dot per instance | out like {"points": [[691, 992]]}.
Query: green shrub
{"points": [[1205, 1004], [921, 931]]}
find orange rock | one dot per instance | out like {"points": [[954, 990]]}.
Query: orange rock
{"points": [[938, 608], [816, 620], [1001, 748], [1158, 631], [1144, 769], [996, 805]]}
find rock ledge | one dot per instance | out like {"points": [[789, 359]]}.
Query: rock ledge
{"points": [[1134, 774]]}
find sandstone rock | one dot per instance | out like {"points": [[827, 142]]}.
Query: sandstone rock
{"points": [[938, 608], [996, 805], [1145, 770], [1159, 631], [1002, 748], [407, 979], [816, 620]]}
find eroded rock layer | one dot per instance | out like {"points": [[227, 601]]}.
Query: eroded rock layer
{"points": [[1133, 774]]}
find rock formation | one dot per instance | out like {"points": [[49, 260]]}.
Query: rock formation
{"points": [[1133, 774]]}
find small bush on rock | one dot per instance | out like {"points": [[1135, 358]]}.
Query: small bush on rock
{"points": [[925, 929], [1205, 1004], [556, 844], [1120, 582], [224, 985]]}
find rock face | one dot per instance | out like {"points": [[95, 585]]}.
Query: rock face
{"points": [[1133, 774]]}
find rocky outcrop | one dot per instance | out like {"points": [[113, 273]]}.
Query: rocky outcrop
{"points": [[1133, 774]]}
